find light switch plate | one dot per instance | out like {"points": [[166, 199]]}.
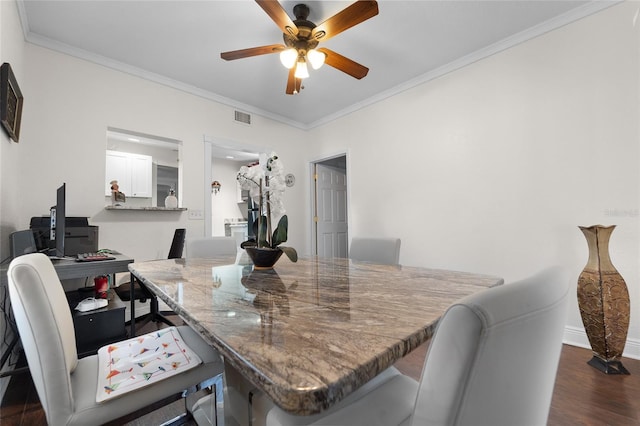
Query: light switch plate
{"points": [[196, 215]]}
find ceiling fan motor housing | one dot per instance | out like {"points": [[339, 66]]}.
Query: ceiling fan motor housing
{"points": [[303, 41]]}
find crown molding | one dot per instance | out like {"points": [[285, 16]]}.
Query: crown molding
{"points": [[56, 46], [559, 21]]}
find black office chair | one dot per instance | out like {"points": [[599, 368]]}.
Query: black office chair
{"points": [[175, 252], [177, 245]]}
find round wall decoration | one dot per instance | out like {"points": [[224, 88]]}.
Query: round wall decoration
{"points": [[290, 179]]}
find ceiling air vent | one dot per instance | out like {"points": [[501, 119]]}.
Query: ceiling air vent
{"points": [[243, 117]]}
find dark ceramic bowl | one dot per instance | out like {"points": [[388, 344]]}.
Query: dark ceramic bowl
{"points": [[263, 257]]}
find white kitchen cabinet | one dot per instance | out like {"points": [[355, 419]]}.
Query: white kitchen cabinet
{"points": [[117, 168], [132, 171]]}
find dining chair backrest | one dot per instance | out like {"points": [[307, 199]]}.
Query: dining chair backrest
{"points": [[207, 247], [494, 357], [177, 244], [46, 330], [375, 250]]}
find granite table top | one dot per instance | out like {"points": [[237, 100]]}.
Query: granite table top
{"points": [[308, 333]]}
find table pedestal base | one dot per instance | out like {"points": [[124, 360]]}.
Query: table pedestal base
{"points": [[243, 403]]}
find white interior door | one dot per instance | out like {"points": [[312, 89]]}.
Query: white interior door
{"points": [[331, 211]]}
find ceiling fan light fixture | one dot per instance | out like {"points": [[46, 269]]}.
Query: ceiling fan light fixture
{"points": [[315, 58], [301, 69], [288, 57]]}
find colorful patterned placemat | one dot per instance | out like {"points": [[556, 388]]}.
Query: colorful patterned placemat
{"points": [[140, 361]]}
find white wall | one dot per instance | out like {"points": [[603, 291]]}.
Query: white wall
{"points": [[492, 168]]}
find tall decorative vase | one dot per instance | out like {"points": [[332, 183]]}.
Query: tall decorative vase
{"points": [[603, 300]]}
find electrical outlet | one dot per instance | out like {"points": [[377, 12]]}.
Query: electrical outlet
{"points": [[196, 215]]}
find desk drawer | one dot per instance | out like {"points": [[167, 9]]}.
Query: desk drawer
{"points": [[99, 327]]}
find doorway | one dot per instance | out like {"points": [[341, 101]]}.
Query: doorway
{"points": [[330, 222], [222, 160]]}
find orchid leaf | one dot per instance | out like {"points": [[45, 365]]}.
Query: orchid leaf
{"points": [[280, 234], [291, 253]]}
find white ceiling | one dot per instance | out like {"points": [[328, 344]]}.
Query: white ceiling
{"points": [[178, 43]]}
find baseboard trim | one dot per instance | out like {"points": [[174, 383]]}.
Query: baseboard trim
{"points": [[576, 336]]}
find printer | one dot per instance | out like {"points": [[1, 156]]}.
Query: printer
{"points": [[79, 236]]}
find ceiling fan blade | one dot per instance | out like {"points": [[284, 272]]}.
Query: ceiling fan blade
{"points": [[344, 64], [279, 16], [294, 84], [358, 12], [252, 51], [291, 82]]}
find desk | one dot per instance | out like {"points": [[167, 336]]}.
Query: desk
{"points": [[308, 333], [70, 269]]}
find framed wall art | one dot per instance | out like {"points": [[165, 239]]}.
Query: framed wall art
{"points": [[11, 100]]}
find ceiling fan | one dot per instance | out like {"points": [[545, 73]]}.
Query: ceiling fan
{"points": [[301, 38]]}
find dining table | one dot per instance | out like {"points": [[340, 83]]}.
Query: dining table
{"points": [[306, 334]]}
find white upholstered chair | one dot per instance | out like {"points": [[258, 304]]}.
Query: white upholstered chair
{"points": [[206, 247], [375, 250], [493, 361], [67, 385]]}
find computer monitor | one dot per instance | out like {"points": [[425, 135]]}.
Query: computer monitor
{"points": [[58, 221]]}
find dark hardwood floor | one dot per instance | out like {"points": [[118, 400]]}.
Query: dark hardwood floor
{"points": [[582, 395]]}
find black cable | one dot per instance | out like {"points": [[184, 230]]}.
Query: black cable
{"points": [[10, 330], [9, 320]]}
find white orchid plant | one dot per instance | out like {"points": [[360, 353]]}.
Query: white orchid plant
{"points": [[265, 182]]}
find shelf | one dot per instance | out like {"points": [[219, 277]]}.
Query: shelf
{"points": [[147, 209]]}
